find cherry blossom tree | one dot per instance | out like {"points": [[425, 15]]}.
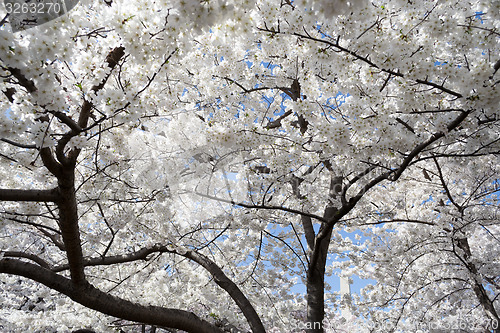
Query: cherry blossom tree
{"points": [[185, 164]]}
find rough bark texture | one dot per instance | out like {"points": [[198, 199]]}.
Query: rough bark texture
{"points": [[68, 222], [486, 303], [231, 288], [217, 273], [316, 288], [317, 263], [62, 163], [89, 296]]}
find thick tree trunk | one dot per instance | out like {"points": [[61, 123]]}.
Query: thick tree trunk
{"points": [[487, 304], [68, 223], [316, 289], [317, 261]]}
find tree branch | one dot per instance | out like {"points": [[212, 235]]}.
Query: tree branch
{"points": [[29, 85], [461, 242], [32, 257], [65, 119], [52, 195], [50, 162], [252, 206], [277, 122], [112, 59], [219, 276], [20, 145], [41, 227], [307, 224], [95, 299], [231, 288], [391, 175], [337, 46], [425, 144], [445, 187]]}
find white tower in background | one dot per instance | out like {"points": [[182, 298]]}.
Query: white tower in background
{"points": [[345, 290]]}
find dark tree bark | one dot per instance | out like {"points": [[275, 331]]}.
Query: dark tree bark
{"points": [[91, 297], [52, 195], [62, 163], [316, 271], [486, 303], [316, 288], [220, 278]]}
